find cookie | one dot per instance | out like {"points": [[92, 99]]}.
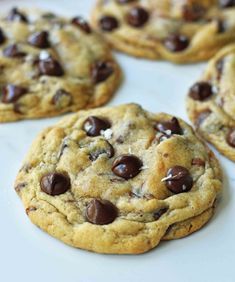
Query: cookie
{"points": [[178, 31], [119, 180], [211, 105], [51, 65]]}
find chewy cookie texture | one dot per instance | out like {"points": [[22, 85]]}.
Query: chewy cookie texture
{"points": [[51, 65], [178, 31], [119, 180], [211, 102]]}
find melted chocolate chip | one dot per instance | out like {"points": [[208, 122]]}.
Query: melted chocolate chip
{"points": [[20, 186], [124, 1], [13, 51], [137, 17], [231, 137], [82, 24], [39, 40], [55, 184], [50, 67], [176, 43], [198, 162], [49, 16], [101, 71], [101, 212], [108, 23], [178, 180], [202, 116], [219, 68], [93, 126], [226, 3], [157, 214], [30, 209], [62, 97], [221, 25], [108, 151], [11, 93], [193, 12], [2, 37], [169, 127], [16, 15], [201, 91], [127, 166]]}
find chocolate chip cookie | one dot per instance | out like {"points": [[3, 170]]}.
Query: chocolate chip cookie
{"points": [[51, 65], [178, 31], [211, 105], [119, 180]]}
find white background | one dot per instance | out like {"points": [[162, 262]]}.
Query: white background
{"points": [[30, 255]]}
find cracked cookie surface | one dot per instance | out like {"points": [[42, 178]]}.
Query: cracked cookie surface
{"points": [[178, 31], [119, 180], [211, 105], [51, 65]]}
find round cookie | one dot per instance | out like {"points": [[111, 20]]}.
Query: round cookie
{"points": [[51, 65], [119, 180], [178, 31], [211, 102]]}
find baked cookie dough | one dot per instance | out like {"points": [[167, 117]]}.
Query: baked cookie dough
{"points": [[211, 102], [119, 180], [51, 65], [178, 31]]}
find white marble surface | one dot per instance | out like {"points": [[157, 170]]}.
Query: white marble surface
{"points": [[27, 254]]}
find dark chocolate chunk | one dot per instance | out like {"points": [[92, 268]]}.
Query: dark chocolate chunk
{"points": [[11, 93]]}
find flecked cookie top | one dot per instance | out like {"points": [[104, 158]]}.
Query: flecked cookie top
{"points": [[51, 65], [179, 31], [211, 102], [119, 180]]}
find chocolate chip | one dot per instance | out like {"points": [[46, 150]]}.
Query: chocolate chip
{"points": [[13, 51], [30, 209], [20, 186], [127, 166], [11, 93], [55, 183], [124, 1], [62, 98], [2, 37], [202, 116], [137, 17], [157, 214], [108, 23], [16, 15], [49, 16], [231, 137], [198, 162], [219, 68], [108, 151], [169, 128], [101, 212], [226, 3], [82, 24], [93, 126], [39, 39], [201, 91], [176, 42], [50, 67], [221, 25], [193, 12], [101, 71], [178, 180]]}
